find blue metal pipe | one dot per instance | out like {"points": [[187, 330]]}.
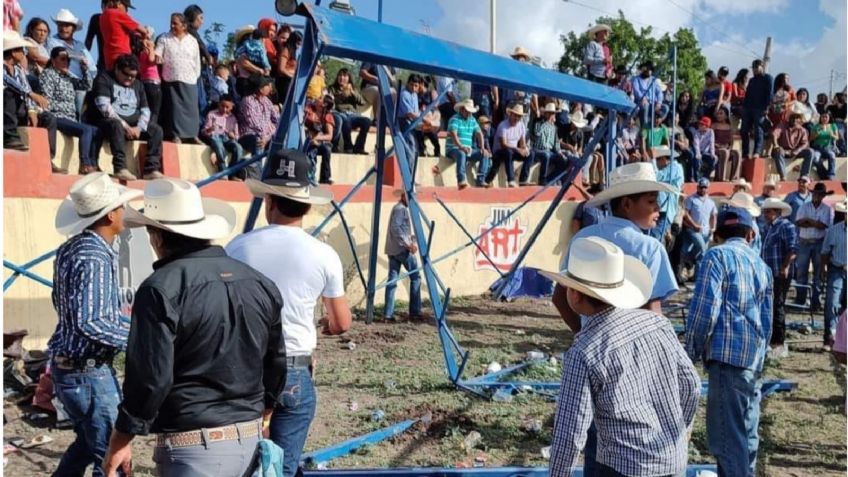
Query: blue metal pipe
{"points": [[344, 201], [371, 289], [22, 271], [230, 170], [350, 242], [344, 448], [467, 234]]}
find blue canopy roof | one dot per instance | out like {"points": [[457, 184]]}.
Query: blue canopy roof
{"points": [[361, 39]]}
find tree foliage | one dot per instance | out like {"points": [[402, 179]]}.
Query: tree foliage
{"points": [[630, 47]]}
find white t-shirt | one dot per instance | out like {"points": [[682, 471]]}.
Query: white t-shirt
{"points": [[304, 269]]}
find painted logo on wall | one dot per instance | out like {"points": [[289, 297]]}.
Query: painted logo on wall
{"points": [[135, 264], [502, 244]]}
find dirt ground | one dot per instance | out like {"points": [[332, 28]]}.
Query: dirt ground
{"points": [[399, 368]]}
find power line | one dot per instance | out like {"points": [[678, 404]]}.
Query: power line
{"points": [[708, 24]]}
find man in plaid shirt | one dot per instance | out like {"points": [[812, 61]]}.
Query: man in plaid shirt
{"points": [[780, 247], [729, 327]]}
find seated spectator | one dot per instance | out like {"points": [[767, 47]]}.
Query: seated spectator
{"points": [[431, 123], [546, 147], [805, 108], [655, 136], [703, 145], [727, 166], [121, 113], [462, 128], [630, 142], [837, 112], [348, 101], [488, 135], [780, 107], [793, 142], [287, 64], [220, 82], [509, 145], [739, 85], [116, 28], [222, 133], [685, 110], [251, 59], [485, 97], [621, 80], [823, 139], [20, 104], [368, 86], [149, 75], [699, 220], [82, 63], [451, 96], [821, 103], [320, 129], [711, 95], [258, 117], [179, 54], [38, 56], [586, 215], [317, 87], [58, 86]]}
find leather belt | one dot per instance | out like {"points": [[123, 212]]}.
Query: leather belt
{"points": [[81, 364], [810, 240], [299, 361], [215, 434]]}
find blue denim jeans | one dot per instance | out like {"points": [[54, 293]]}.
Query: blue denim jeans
{"points": [[351, 121], [90, 399], [833, 300], [825, 153], [294, 412], [808, 252], [408, 261], [220, 144], [752, 121], [89, 149], [503, 156], [694, 245], [544, 160], [461, 158], [663, 224], [706, 165], [733, 415]]}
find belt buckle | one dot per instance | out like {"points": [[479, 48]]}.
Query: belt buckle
{"points": [[90, 363]]}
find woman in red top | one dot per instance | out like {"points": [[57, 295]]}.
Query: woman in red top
{"points": [[116, 27], [726, 88], [269, 29], [740, 84], [781, 104], [728, 159]]}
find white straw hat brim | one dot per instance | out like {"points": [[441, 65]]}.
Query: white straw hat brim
{"points": [[68, 222], [752, 209], [218, 222], [634, 291], [629, 188], [305, 195], [784, 211]]}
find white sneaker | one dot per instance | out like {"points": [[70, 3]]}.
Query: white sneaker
{"points": [[511, 184]]}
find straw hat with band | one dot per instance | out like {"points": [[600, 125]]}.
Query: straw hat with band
{"points": [[591, 32], [841, 206], [517, 109], [741, 182], [599, 269], [520, 52], [744, 200], [241, 32], [630, 179], [13, 40], [550, 108], [175, 205], [773, 203], [90, 198], [65, 16], [468, 104], [288, 177], [577, 120]]}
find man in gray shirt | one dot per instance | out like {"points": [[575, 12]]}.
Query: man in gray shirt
{"points": [[401, 249]]}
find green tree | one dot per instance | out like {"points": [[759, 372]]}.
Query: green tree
{"points": [[630, 47]]}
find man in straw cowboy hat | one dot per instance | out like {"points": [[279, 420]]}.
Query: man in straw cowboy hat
{"points": [[833, 261], [82, 64], [509, 145], [206, 357], [812, 220], [462, 129], [729, 327], [401, 248], [780, 247], [90, 330], [546, 148], [769, 189], [746, 201], [660, 388], [669, 172], [304, 270], [596, 56]]}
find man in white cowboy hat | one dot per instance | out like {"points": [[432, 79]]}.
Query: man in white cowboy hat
{"points": [[662, 387], [462, 130], [780, 247], [401, 248], [769, 189], [699, 219], [21, 105], [746, 201], [206, 356], [546, 148], [304, 270], [833, 262], [91, 329], [508, 98], [669, 172], [509, 145], [728, 328], [82, 63], [596, 56], [812, 221], [741, 185]]}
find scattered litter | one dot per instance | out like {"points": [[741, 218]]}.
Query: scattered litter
{"points": [[378, 415], [389, 384], [38, 416], [553, 361], [353, 406], [9, 448], [535, 355], [321, 466], [37, 441], [546, 453], [17, 442], [532, 425], [520, 332], [525, 388], [480, 460], [502, 395], [426, 419], [494, 367], [350, 345], [472, 440]]}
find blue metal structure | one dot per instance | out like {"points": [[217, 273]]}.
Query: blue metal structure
{"points": [[691, 471], [344, 448]]}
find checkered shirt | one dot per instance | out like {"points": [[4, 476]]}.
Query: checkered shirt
{"points": [[780, 241]]}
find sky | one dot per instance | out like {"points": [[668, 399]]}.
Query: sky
{"points": [[809, 36]]}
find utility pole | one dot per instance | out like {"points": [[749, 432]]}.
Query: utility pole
{"points": [[767, 55], [832, 77], [492, 16]]}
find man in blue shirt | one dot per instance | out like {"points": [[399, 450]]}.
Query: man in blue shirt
{"points": [[647, 93], [728, 328], [833, 259], [91, 329], [799, 197], [669, 172], [780, 247], [699, 217], [408, 111], [758, 96], [82, 64]]}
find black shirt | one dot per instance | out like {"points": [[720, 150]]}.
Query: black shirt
{"points": [[205, 348], [127, 101], [837, 112]]}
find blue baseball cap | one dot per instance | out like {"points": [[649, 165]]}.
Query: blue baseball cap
{"points": [[730, 216], [703, 182]]}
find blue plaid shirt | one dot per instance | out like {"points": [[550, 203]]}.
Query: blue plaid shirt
{"points": [[731, 308], [780, 241], [85, 295], [627, 371], [834, 244]]}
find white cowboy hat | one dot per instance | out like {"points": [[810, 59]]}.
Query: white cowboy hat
{"points": [[288, 177], [89, 199], [595, 29], [468, 104], [520, 51], [841, 206], [65, 16], [744, 200], [13, 40], [598, 268], [175, 205], [773, 203], [516, 109], [661, 151], [770, 183], [629, 179], [576, 118], [741, 182], [550, 108], [245, 30]]}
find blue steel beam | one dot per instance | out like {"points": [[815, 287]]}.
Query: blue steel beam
{"points": [[26, 266], [344, 201], [346, 447], [23, 271], [467, 233], [350, 242], [382, 118], [691, 471]]}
